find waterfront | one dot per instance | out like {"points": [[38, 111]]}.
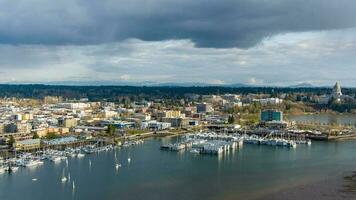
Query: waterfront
{"points": [[326, 118], [251, 172]]}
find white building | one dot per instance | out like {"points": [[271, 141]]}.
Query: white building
{"points": [[271, 101], [153, 124], [73, 106]]}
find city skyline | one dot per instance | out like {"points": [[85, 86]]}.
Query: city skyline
{"points": [[226, 42]]}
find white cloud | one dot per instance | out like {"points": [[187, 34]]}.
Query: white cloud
{"points": [[281, 60]]}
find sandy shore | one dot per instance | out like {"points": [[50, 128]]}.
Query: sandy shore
{"points": [[337, 188]]}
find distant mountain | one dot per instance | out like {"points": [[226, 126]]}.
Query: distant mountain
{"points": [[145, 83], [199, 84], [160, 84], [302, 85], [238, 85]]}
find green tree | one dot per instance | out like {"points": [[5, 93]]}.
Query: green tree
{"points": [[11, 141], [231, 119], [111, 130], [35, 136], [51, 135]]}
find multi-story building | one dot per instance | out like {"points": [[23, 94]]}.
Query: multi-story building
{"points": [[271, 101], [204, 108], [154, 125], [271, 115], [29, 144], [67, 122], [177, 122]]}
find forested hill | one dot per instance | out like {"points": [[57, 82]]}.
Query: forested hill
{"points": [[148, 92]]}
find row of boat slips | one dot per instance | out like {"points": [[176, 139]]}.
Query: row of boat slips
{"points": [[251, 139], [213, 143], [204, 147], [275, 141], [208, 143]]}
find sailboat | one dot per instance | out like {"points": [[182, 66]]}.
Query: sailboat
{"points": [[64, 178], [117, 166]]}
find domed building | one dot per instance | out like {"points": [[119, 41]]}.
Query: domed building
{"points": [[337, 91], [336, 95]]}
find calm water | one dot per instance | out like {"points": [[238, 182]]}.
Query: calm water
{"points": [[344, 119], [154, 174]]}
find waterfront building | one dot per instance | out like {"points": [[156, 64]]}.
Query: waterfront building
{"points": [[155, 125], [119, 124], [26, 145], [177, 122], [271, 115]]}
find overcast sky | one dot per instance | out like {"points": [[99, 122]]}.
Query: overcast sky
{"points": [[260, 42]]}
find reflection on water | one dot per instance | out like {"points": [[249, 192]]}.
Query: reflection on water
{"points": [[350, 185], [326, 119], [153, 174]]}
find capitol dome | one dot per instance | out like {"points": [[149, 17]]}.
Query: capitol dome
{"points": [[337, 90]]}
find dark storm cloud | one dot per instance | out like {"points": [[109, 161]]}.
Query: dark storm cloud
{"points": [[214, 23]]}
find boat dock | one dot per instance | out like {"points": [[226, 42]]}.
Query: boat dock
{"points": [[206, 143]]}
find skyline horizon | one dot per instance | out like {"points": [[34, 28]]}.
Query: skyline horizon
{"points": [[173, 84]]}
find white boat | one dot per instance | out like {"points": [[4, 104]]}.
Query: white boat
{"points": [[12, 169], [64, 179], [117, 166], [34, 179], [129, 160], [80, 155], [195, 151], [32, 163], [55, 159], [2, 169]]}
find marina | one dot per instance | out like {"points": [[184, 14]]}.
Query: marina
{"points": [[37, 158], [217, 144], [147, 172]]}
